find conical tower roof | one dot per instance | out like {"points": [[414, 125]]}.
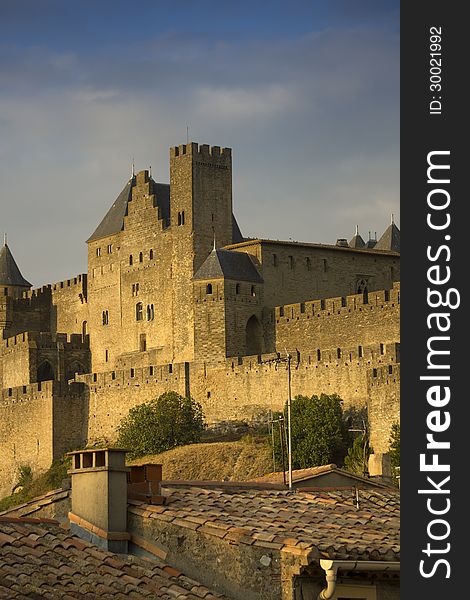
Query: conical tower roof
{"points": [[390, 239], [357, 241], [9, 271]]}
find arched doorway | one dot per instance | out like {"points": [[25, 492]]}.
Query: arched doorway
{"points": [[73, 369], [45, 371], [254, 336]]}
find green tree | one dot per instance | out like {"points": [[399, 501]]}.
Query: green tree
{"points": [[319, 433], [395, 450], [357, 457], [161, 424]]}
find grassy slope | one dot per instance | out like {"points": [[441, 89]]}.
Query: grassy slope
{"points": [[229, 461]]}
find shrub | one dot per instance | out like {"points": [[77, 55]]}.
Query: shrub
{"points": [[161, 424], [319, 433], [357, 457]]}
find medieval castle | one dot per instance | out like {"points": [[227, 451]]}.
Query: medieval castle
{"points": [[176, 298]]}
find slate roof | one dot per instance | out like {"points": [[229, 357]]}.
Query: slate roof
{"points": [[9, 271], [113, 221], [39, 559], [357, 241], [236, 233], [390, 239], [330, 524], [229, 265]]}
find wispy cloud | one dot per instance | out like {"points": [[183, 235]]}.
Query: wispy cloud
{"points": [[312, 117]]}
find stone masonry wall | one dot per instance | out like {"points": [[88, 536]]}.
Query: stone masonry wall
{"points": [[40, 422], [26, 432], [383, 405], [242, 388], [299, 272], [340, 321]]}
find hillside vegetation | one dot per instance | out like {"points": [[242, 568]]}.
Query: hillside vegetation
{"points": [[222, 461], [226, 461]]}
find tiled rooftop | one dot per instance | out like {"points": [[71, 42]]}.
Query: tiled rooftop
{"points": [[331, 524], [299, 475], [39, 559]]}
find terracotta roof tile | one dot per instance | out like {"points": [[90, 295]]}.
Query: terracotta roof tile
{"points": [[38, 559], [329, 523]]}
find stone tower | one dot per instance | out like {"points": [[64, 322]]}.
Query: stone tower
{"points": [[201, 211]]}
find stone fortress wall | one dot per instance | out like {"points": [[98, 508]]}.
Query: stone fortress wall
{"points": [[143, 321]]}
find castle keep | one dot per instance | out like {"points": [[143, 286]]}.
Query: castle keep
{"points": [[175, 298]]}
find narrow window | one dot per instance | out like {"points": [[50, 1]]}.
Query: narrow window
{"points": [[113, 375], [182, 218], [110, 248], [5, 291], [359, 351], [143, 342], [105, 317], [390, 369], [382, 349], [281, 311], [141, 257], [98, 252], [338, 352], [179, 218], [106, 356], [132, 372], [253, 291], [291, 262], [170, 368], [150, 312], [237, 288], [130, 259], [151, 254], [151, 371], [138, 311], [318, 355], [209, 288]]}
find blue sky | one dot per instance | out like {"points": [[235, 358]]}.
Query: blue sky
{"points": [[305, 92]]}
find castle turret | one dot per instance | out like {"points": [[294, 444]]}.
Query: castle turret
{"points": [[12, 281], [357, 241], [228, 298], [390, 239]]}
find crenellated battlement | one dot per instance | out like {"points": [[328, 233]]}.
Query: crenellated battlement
{"points": [[138, 376], [42, 389], [80, 281], [46, 340], [202, 152], [387, 353], [340, 305]]}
